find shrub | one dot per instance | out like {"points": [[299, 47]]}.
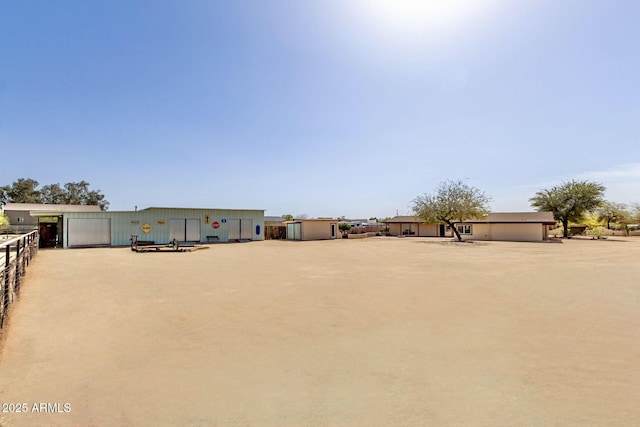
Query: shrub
{"points": [[596, 232]]}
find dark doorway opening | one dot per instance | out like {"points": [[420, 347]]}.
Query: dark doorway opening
{"points": [[48, 235]]}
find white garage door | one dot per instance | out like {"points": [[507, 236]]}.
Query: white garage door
{"points": [[246, 229], [193, 230], [233, 228], [184, 230], [88, 232]]}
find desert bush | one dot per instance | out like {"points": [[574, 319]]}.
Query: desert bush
{"points": [[596, 232]]}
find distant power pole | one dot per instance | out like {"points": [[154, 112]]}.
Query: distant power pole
{"points": [[396, 212]]}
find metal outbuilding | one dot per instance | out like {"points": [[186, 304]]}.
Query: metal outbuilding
{"points": [[21, 217], [159, 225], [20, 213]]}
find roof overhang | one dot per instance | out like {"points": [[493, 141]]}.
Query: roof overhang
{"points": [[311, 220], [506, 222], [48, 213]]}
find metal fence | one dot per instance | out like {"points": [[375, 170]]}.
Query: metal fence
{"points": [[15, 257], [7, 230]]}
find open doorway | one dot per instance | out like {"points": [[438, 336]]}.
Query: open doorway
{"points": [[50, 231]]}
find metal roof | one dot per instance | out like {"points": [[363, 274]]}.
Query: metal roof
{"points": [[51, 207], [52, 210], [312, 220], [200, 209]]}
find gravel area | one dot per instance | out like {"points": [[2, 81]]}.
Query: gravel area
{"points": [[369, 332]]}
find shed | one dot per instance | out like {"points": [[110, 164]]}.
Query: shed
{"points": [[312, 229], [508, 226]]}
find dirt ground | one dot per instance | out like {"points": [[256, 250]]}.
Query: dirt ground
{"points": [[371, 332]]}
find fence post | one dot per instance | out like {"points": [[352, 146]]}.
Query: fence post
{"points": [[27, 246], [25, 251], [18, 276]]}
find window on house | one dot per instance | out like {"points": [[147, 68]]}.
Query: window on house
{"points": [[20, 219], [464, 229]]}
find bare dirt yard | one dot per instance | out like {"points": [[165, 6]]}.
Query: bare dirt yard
{"points": [[371, 332]]}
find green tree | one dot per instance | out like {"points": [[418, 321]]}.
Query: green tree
{"points": [[569, 201], [3, 220], [344, 228], [287, 217], [75, 193], [78, 193], [22, 191], [52, 194], [617, 213], [453, 201], [635, 211], [590, 221]]}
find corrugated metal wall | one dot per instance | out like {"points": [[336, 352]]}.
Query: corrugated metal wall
{"points": [[157, 221], [294, 231]]}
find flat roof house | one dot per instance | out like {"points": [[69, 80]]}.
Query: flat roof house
{"points": [[508, 226]]}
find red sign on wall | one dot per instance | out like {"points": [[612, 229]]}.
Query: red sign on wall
{"points": [[215, 224]]}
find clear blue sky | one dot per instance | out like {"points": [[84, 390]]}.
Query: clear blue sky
{"points": [[325, 107]]}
